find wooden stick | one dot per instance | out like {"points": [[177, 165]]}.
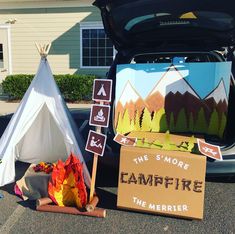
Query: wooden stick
{"points": [[94, 167], [43, 50], [98, 212], [43, 201], [92, 205], [48, 48], [93, 178], [38, 48]]}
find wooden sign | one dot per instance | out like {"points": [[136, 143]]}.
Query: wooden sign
{"points": [[99, 115], [209, 150], [164, 182], [125, 140], [102, 89], [96, 143]]}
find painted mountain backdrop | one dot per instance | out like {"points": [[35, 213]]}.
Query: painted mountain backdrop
{"points": [[172, 104]]}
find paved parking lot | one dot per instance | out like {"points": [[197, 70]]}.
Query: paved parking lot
{"points": [[20, 217]]}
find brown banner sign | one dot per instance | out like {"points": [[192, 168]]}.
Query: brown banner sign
{"points": [[212, 151], [96, 143], [99, 115], [102, 89], [124, 140], [164, 182]]}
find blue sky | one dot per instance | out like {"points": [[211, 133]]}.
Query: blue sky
{"points": [[203, 77]]}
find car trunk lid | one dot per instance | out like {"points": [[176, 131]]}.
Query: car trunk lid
{"points": [[148, 23]]}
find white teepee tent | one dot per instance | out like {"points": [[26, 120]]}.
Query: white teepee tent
{"points": [[41, 129]]}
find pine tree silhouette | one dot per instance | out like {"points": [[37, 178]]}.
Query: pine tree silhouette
{"points": [[213, 128], [146, 121], [181, 123], [201, 123]]}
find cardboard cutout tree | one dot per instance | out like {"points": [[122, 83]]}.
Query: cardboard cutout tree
{"points": [[191, 122], [214, 123], [223, 122], [137, 121], [159, 122], [201, 123], [125, 126], [166, 144], [119, 123], [146, 120], [172, 122], [181, 122]]}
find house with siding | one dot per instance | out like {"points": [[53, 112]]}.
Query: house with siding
{"points": [[74, 29]]}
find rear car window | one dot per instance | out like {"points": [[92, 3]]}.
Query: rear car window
{"points": [[203, 19]]}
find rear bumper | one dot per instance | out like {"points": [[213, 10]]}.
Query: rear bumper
{"points": [[220, 168]]}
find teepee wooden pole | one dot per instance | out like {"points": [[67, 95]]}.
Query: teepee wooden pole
{"points": [[48, 48], [38, 48], [43, 50]]}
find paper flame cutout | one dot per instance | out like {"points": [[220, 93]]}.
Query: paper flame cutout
{"points": [[66, 186]]}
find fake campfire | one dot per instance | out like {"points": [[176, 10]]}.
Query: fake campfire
{"points": [[67, 191]]}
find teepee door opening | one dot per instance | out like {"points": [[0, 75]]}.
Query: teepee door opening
{"points": [[43, 141]]}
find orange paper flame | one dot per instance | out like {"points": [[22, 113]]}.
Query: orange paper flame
{"points": [[66, 186]]}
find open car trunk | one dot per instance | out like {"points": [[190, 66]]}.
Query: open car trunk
{"points": [[147, 23]]}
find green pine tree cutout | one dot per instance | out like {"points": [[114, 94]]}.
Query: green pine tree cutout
{"points": [[201, 123], [191, 122], [159, 122], [223, 122], [125, 127], [119, 124], [181, 122], [191, 143], [213, 128], [146, 121], [167, 144], [137, 121], [172, 122]]}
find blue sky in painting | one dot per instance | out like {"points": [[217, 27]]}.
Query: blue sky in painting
{"points": [[203, 77]]}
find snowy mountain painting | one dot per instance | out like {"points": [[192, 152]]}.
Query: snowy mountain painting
{"points": [[191, 97]]}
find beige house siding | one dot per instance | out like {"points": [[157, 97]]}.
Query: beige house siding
{"points": [[60, 26]]}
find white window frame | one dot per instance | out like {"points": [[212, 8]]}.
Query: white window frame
{"points": [[8, 28], [91, 25]]}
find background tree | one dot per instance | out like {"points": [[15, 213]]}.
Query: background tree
{"points": [[172, 122], [159, 122], [167, 144], [222, 126], [125, 126], [146, 121], [191, 143], [213, 128], [191, 122], [181, 123], [119, 123], [137, 121], [201, 123]]}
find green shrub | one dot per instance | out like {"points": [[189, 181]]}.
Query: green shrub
{"points": [[75, 87], [16, 85]]}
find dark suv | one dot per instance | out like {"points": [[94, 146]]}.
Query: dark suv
{"points": [[161, 31]]}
